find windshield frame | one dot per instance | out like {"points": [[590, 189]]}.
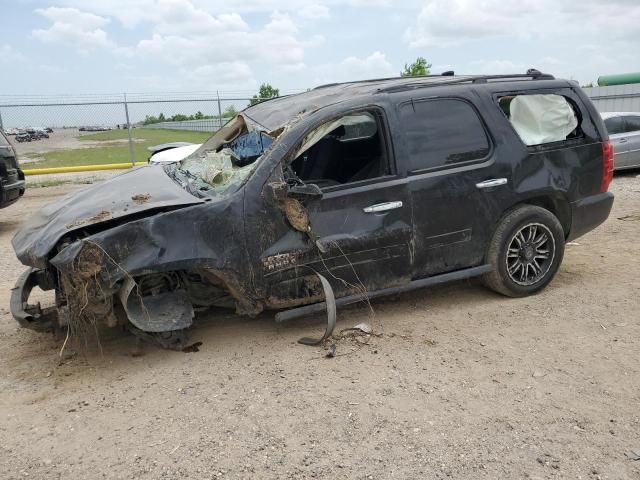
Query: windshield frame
{"points": [[213, 150]]}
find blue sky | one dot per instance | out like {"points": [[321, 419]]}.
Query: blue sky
{"points": [[105, 46]]}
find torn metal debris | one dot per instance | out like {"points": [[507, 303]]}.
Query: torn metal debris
{"points": [[330, 302]]}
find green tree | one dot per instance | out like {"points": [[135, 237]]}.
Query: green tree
{"points": [[230, 112], [178, 117], [417, 68], [266, 91], [150, 119]]}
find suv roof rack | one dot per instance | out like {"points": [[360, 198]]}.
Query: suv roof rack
{"points": [[383, 79], [531, 74]]}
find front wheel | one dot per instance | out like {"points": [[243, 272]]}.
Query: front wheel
{"points": [[525, 252]]}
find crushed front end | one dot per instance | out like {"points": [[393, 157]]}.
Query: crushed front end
{"points": [[146, 249]]}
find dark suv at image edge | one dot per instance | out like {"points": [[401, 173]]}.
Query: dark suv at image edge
{"points": [[12, 184], [363, 188]]}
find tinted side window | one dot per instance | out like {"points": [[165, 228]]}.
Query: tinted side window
{"points": [[633, 124], [614, 125], [442, 132]]}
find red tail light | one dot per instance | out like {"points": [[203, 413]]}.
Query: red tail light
{"points": [[607, 165]]}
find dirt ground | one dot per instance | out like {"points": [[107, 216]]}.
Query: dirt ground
{"points": [[459, 383]]}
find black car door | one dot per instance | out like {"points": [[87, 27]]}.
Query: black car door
{"points": [[360, 229], [365, 232], [457, 187]]}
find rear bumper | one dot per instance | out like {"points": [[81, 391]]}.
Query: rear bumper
{"points": [[31, 316], [11, 189], [588, 213]]}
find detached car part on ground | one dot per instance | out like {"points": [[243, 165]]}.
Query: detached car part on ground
{"points": [[347, 191], [12, 182]]}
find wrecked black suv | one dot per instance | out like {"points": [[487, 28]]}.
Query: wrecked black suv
{"points": [[327, 197]]}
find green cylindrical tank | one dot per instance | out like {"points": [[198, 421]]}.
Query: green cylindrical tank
{"points": [[621, 79]]}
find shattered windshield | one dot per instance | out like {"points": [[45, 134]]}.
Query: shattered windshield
{"points": [[224, 162]]}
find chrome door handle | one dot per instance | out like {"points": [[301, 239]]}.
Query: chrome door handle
{"points": [[383, 207], [495, 182], [622, 140]]}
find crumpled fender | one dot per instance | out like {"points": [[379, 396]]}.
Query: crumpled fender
{"points": [[208, 237], [137, 192]]}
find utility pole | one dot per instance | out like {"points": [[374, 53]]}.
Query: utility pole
{"points": [[132, 152], [219, 110]]}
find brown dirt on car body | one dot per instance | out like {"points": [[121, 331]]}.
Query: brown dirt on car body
{"points": [[296, 214], [141, 198], [98, 217]]}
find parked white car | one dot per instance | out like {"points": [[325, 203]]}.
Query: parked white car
{"points": [[624, 132], [171, 152]]}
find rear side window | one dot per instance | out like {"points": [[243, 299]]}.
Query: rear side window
{"points": [[614, 125], [442, 133], [539, 119], [633, 123], [3, 140]]}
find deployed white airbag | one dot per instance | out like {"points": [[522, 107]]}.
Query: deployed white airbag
{"points": [[542, 118]]}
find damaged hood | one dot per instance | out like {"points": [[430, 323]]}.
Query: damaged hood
{"points": [[135, 191]]}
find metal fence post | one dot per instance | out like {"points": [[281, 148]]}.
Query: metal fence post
{"points": [[219, 110], [132, 152]]}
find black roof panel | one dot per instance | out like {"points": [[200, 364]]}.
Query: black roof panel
{"points": [[279, 111]]}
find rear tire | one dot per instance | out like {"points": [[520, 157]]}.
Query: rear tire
{"points": [[525, 252]]}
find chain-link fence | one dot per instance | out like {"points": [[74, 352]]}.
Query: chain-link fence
{"points": [[75, 130], [87, 130]]}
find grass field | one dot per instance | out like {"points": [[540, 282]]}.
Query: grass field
{"points": [[113, 147]]}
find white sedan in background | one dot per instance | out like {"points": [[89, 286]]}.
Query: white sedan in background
{"points": [[624, 132], [171, 152]]}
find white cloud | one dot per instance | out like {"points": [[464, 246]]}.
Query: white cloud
{"points": [[592, 62], [181, 17], [313, 41], [225, 73], [443, 23], [224, 46], [555, 33], [188, 37], [73, 27], [452, 22], [226, 41], [9, 55], [497, 67], [128, 12], [187, 44], [371, 3], [314, 11], [133, 12], [375, 65]]}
